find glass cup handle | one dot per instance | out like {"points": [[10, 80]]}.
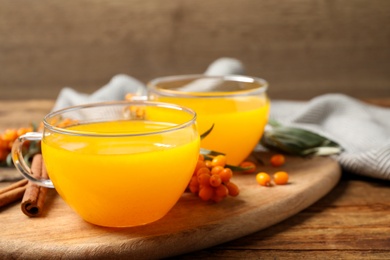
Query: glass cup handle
{"points": [[21, 164]]}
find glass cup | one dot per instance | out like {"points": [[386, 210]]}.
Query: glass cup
{"points": [[237, 106], [117, 164]]}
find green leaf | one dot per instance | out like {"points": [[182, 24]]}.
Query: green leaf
{"points": [[34, 127], [202, 136], [9, 161], [237, 168], [298, 141], [211, 153]]}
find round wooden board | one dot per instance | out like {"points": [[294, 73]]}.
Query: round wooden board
{"points": [[191, 225]]}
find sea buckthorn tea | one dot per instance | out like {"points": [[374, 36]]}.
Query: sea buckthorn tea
{"points": [[237, 107], [119, 164]]}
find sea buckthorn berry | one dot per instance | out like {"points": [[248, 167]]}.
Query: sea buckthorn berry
{"points": [[226, 174], [216, 169], [10, 135], [263, 179], [215, 180], [233, 189], [216, 198], [281, 178], [206, 193], [10, 144], [3, 143], [140, 113], [129, 96], [208, 163], [199, 164], [203, 170], [250, 165], [221, 191], [194, 181], [137, 112], [23, 130], [204, 179], [3, 155], [219, 160], [65, 123], [277, 160], [194, 187]]}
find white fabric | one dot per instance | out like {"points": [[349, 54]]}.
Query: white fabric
{"points": [[122, 84], [362, 130], [116, 89]]}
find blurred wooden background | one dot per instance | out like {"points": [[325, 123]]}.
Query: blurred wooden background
{"points": [[303, 48]]}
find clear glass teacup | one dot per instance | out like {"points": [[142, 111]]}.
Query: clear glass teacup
{"points": [[237, 106], [117, 164]]}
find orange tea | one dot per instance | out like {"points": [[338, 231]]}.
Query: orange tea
{"points": [[237, 107]]}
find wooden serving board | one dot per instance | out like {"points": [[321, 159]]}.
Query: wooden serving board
{"points": [[191, 225]]}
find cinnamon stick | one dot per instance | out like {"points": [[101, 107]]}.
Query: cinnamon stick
{"points": [[34, 196], [12, 192]]}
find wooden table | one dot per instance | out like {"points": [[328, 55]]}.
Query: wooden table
{"points": [[352, 221]]}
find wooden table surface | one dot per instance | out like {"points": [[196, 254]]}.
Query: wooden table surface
{"points": [[350, 222]]}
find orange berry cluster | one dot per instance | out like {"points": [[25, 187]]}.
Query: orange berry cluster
{"points": [[211, 179], [7, 139]]}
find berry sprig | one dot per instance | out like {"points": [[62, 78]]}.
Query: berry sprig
{"points": [[211, 179], [30, 148], [7, 139]]}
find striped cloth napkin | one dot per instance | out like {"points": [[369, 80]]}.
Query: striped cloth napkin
{"points": [[362, 130]]}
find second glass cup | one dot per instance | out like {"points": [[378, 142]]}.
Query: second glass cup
{"points": [[237, 106]]}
